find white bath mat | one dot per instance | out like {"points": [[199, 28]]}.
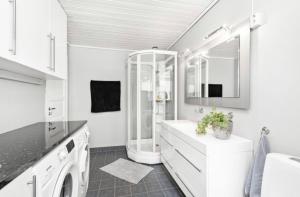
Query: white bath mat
{"points": [[127, 170]]}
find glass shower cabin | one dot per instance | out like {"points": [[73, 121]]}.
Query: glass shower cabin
{"points": [[152, 94]]}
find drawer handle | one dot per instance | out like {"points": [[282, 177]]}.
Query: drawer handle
{"points": [[167, 162], [33, 183], [178, 176], [166, 140], [188, 160]]}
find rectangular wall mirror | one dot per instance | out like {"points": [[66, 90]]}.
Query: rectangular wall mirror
{"points": [[218, 73]]}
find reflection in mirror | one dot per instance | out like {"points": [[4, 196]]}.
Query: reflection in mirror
{"points": [[193, 71], [215, 73], [218, 73], [224, 66], [204, 77]]}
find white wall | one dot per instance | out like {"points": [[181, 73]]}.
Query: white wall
{"points": [[86, 64], [20, 104], [274, 55]]}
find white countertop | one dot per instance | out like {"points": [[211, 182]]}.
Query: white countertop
{"points": [[186, 130]]}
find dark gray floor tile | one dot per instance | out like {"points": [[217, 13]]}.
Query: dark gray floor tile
{"points": [[92, 193], [110, 160], [151, 178], [156, 194], [121, 183], [153, 186], [163, 177], [94, 185], [94, 177], [158, 168], [104, 175], [100, 156], [93, 150], [119, 155], [173, 193], [122, 191], [95, 170], [138, 188], [106, 193], [140, 195], [166, 184], [107, 183]]}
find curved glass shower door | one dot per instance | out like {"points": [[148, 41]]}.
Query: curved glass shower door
{"points": [[146, 102], [151, 99], [131, 103]]}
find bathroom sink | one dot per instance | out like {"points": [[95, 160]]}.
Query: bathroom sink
{"points": [[186, 126]]}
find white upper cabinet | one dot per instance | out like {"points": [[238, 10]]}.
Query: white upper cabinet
{"points": [[31, 31], [34, 36], [58, 33], [8, 19]]}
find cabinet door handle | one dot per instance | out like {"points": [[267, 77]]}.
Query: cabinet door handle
{"points": [[50, 51], [14, 27], [178, 176], [54, 57], [188, 160], [33, 183]]}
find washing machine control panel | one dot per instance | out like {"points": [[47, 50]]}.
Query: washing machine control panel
{"points": [[62, 155], [70, 146]]}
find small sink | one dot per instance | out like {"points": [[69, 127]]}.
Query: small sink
{"points": [[184, 125]]}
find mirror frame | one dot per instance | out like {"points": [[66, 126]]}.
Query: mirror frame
{"points": [[243, 101]]}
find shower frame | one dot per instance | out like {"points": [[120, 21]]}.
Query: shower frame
{"points": [[138, 155]]}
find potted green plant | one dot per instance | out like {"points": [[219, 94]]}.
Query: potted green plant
{"points": [[220, 123]]}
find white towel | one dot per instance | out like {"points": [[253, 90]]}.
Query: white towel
{"points": [[254, 178]]}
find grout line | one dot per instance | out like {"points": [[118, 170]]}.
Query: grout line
{"points": [[130, 190], [114, 187], [145, 187]]}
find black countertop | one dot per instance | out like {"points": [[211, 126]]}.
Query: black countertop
{"points": [[22, 148]]}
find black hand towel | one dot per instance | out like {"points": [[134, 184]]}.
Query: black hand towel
{"points": [[105, 96]]}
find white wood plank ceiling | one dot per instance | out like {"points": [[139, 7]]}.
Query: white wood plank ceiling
{"points": [[130, 24]]}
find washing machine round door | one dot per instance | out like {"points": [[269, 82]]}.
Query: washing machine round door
{"points": [[67, 183], [84, 166], [67, 187]]}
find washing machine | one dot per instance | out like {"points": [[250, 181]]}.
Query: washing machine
{"points": [[82, 142], [57, 173]]}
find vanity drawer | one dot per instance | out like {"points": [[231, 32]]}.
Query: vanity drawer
{"points": [[190, 154], [193, 179], [167, 136], [166, 148]]}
